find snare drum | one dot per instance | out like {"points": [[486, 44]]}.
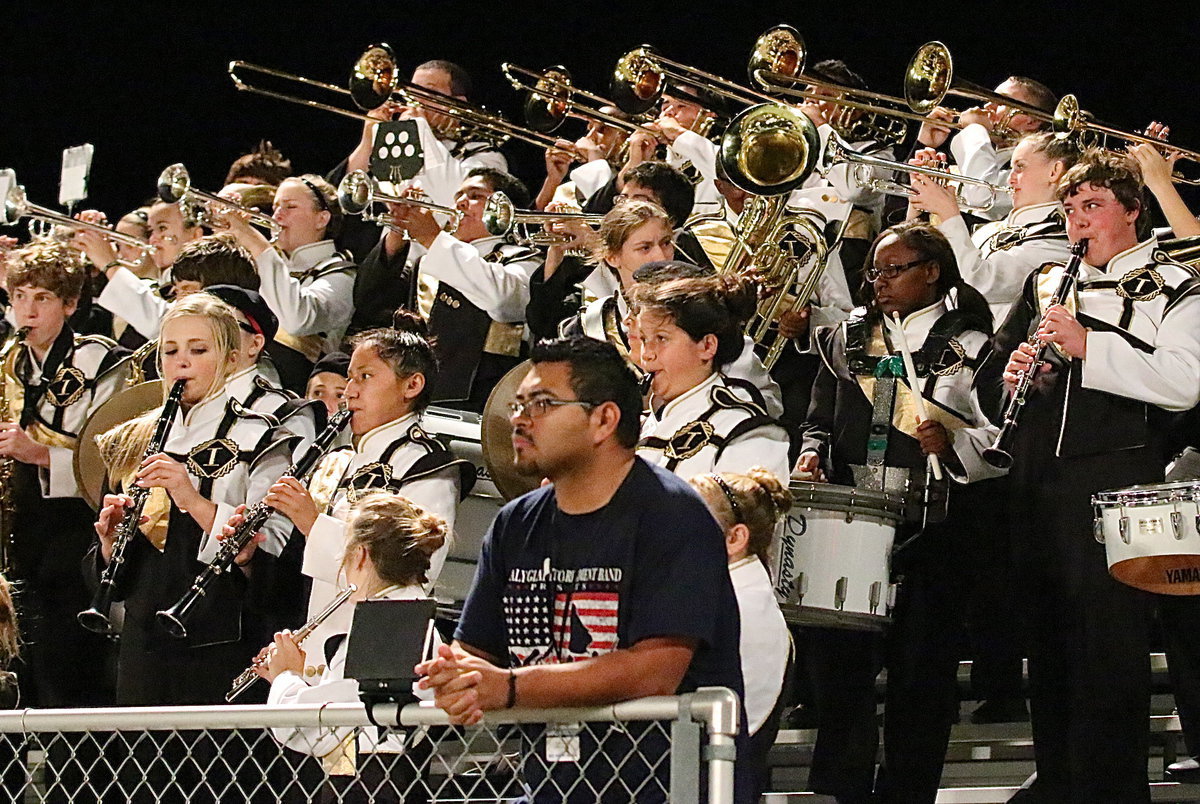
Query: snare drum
{"points": [[461, 431], [1151, 535], [833, 556]]}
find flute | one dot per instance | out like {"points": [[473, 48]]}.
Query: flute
{"points": [[247, 678]]}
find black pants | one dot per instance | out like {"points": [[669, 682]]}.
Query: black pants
{"points": [[1180, 621]]}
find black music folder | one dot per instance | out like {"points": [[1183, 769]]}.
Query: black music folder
{"points": [[387, 639]]}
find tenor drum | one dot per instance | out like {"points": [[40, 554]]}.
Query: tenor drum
{"points": [[1151, 535], [833, 556]]}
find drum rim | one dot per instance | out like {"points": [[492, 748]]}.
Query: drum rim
{"points": [[1148, 494], [850, 499]]}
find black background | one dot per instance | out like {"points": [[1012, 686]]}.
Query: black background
{"points": [[146, 84]]}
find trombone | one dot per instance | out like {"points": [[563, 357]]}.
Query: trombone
{"points": [[1070, 120], [358, 192], [551, 97], [501, 218], [777, 65], [175, 187], [17, 205], [929, 78], [838, 152], [374, 81]]}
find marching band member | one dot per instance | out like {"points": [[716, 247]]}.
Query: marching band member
{"points": [[391, 375], [389, 543], [858, 394], [1156, 171], [1128, 355], [748, 507], [305, 281], [478, 312], [52, 381], [997, 258], [701, 420], [265, 165], [600, 146], [327, 383], [219, 455], [978, 149], [141, 303]]}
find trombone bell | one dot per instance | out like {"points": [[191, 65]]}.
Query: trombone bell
{"points": [[929, 76], [374, 77]]}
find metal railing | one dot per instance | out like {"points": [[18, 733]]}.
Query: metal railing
{"points": [[676, 749]]}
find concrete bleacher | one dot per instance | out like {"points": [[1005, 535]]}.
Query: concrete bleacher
{"points": [[988, 763]]}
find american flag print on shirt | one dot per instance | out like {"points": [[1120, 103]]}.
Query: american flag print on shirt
{"points": [[574, 621]]}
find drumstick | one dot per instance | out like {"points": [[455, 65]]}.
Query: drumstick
{"points": [[911, 370]]}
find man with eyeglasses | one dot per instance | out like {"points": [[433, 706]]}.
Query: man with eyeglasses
{"points": [[605, 586]]}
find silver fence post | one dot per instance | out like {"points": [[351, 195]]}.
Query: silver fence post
{"points": [[685, 755], [718, 708]]}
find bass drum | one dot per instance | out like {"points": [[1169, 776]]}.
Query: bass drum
{"points": [[485, 441], [90, 472]]}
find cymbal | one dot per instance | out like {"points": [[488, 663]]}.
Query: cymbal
{"points": [[496, 437], [90, 472]]}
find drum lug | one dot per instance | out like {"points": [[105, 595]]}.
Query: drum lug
{"points": [[839, 592], [876, 593], [893, 590], [1123, 527], [1098, 528], [800, 586], [1177, 524]]}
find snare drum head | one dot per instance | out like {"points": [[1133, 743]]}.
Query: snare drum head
{"points": [[496, 437], [1148, 493]]}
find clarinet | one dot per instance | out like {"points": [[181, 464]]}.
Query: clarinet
{"points": [[96, 618], [247, 678], [175, 619], [999, 454]]}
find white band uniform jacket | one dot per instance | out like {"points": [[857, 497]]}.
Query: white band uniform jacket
{"points": [[363, 470], [331, 686], [309, 291], [998, 257], [765, 643], [87, 376], [688, 434], [139, 301], [233, 455], [977, 157]]}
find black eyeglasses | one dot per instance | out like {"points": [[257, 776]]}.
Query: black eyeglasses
{"points": [[534, 408], [874, 274]]}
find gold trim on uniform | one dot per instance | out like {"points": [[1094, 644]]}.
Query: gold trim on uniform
{"points": [[689, 440], [374, 476], [66, 388], [944, 368], [223, 455], [1134, 284]]}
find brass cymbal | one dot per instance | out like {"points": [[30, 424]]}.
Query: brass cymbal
{"points": [[90, 472], [496, 437]]}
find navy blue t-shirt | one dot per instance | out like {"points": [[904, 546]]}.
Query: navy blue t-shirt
{"points": [[553, 587]]}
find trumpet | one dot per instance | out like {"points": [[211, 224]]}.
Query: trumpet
{"points": [[358, 192], [96, 617], [175, 619], [175, 187], [999, 454], [501, 218], [248, 677], [17, 205], [838, 152]]}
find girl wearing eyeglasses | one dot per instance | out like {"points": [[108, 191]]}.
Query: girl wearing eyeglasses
{"points": [[701, 420], [912, 275]]}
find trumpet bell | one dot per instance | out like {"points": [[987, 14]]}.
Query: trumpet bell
{"points": [[769, 149], [929, 76], [546, 109], [173, 183], [374, 77], [779, 50], [355, 192], [14, 203], [638, 81], [499, 214]]}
